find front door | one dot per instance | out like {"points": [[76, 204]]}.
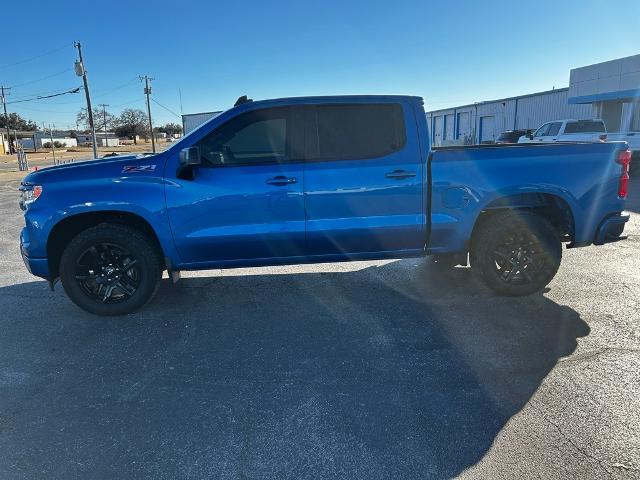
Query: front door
{"points": [[363, 180], [245, 202]]}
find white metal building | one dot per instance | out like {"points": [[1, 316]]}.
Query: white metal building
{"points": [[191, 121], [108, 139], [608, 90], [483, 121], [613, 90], [43, 138]]}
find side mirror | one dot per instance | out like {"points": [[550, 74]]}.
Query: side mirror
{"points": [[190, 157], [531, 136]]}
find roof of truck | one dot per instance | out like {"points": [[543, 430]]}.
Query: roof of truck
{"points": [[339, 98]]}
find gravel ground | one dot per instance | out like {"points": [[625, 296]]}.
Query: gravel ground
{"points": [[366, 370]]}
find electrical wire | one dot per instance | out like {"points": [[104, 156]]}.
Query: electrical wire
{"points": [[43, 78], [45, 111], [104, 93], [49, 52], [166, 108], [75, 90], [128, 102], [36, 94]]}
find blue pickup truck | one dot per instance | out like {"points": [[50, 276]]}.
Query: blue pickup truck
{"points": [[317, 179]]}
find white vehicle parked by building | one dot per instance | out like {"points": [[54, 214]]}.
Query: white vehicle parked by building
{"points": [[568, 131]]}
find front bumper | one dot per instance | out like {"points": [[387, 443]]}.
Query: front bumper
{"points": [[610, 229], [36, 266]]}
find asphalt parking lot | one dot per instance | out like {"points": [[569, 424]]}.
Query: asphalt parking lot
{"points": [[367, 370]]}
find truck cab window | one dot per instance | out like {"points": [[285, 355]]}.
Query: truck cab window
{"points": [[542, 131], [255, 137], [359, 131], [554, 128]]}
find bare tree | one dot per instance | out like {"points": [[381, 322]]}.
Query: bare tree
{"points": [[98, 118], [131, 123], [169, 128]]}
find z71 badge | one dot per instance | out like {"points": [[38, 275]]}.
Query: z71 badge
{"points": [[138, 168]]}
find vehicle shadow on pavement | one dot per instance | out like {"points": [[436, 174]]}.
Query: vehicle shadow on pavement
{"points": [[395, 371]]}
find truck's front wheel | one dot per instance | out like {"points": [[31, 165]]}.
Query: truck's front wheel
{"points": [[110, 269], [516, 253]]}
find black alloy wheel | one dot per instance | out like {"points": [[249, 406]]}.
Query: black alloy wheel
{"points": [[516, 252], [111, 269]]}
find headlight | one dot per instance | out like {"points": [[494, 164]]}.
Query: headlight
{"points": [[29, 194]]}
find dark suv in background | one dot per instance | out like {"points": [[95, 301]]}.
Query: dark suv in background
{"points": [[512, 136]]}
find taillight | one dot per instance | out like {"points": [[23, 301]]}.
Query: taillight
{"points": [[624, 159]]}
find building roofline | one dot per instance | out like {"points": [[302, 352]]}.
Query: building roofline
{"points": [[484, 102], [200, 113]]}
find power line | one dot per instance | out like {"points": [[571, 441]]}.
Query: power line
{"points": [[43, 78], [49, 52], [166, 108], [36, 94], [104, 93], [75, 90], [128, 102], [44, 111]]}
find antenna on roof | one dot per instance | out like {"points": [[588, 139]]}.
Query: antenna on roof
{"points": [[241, 100]]}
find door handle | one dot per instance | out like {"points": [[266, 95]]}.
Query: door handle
{"points": [[281, 180], [400, 174]]}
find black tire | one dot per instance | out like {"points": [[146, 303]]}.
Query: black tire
{"points": [[516, 253], [110, 270]]}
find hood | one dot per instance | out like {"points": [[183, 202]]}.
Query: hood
{"points": [[98, 167]]}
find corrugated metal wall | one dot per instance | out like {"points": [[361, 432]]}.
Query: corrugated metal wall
{"points": [[527, 111], [192, 121], [535, 110]]}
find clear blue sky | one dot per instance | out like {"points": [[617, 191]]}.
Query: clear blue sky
{"points": [[449, 52]]}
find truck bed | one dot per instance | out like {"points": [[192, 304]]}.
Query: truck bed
{"points": [[582, 177]]}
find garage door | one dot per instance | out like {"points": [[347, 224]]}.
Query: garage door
{"points": [[464, 125], [448, 127], [487, 129], [437, 130]]}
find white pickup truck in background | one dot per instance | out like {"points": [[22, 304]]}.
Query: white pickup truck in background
{"points": [[585, 131], [568, 131]]}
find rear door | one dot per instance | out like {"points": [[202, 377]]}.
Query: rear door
{"points": [[363, 180]]}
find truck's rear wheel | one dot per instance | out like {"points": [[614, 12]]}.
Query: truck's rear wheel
{"points": [[516, 253], [110, 269]]}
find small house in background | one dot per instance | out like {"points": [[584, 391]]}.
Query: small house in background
{"points": [[108, 139], [36, 140]]}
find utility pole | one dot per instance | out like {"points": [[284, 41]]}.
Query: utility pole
{"points": [[147, 92], [53, 147], [5, 91], [81, 72], [104, 120], [181, 111]]}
